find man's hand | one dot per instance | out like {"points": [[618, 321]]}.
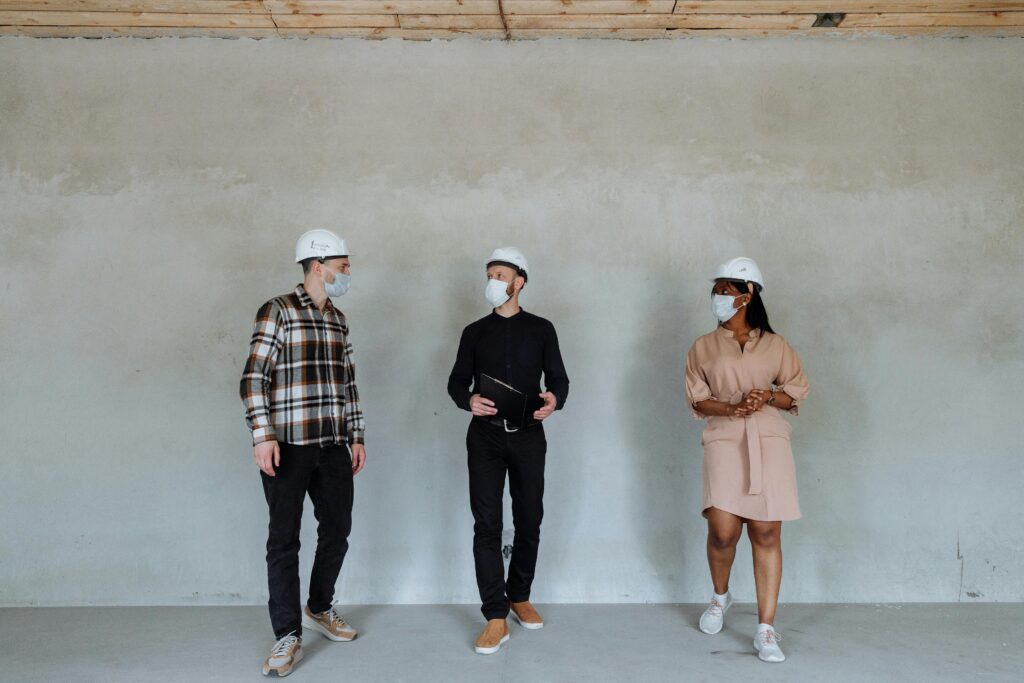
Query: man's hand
{"points": [[358, 458], [482, 407], [268, 456], [550, 403]]}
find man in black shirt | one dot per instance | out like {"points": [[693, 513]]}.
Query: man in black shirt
{"points": [[515, 347]]}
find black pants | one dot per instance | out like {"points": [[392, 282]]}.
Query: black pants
{"points": [[493, 453], [326, 474]]}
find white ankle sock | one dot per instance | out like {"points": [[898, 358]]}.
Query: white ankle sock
{"points": [[765, 627], [723, 598]]}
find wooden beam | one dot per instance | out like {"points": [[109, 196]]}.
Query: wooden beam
{"points": [[660, 21], [336, 20], [588, 6], [463, 21], [152, 19], [175, 6], [377, 7], [848, 6], [386, 33], [485, 34], [829, 33], [135, 32], [942, 19]]}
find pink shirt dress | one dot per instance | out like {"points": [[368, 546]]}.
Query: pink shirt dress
{"points": [[748, 462]]}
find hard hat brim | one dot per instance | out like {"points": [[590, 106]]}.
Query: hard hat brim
{"points": [[508, 264]]}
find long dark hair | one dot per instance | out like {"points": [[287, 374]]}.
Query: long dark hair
{"points": [[757, 316]]}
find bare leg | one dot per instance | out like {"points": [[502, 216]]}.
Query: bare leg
{"points": [[766, 544], [724, 530]]}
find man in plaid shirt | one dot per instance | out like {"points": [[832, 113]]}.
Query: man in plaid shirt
{"points": [[302, 407]]}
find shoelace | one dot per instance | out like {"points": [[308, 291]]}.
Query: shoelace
{"points": [[282, 646], [770, 636], [335, 618], [715, 608]]}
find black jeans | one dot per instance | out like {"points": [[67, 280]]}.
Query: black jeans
{"points": [[493, 453], [326, 474]]}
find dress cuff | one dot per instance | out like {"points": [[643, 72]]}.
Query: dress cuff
{"points": [[694, 400]]}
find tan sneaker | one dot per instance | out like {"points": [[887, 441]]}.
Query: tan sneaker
{"points": [[328, 623], [286, 654], [495, 635], [526, 615]]}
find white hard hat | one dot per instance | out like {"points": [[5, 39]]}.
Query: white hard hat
{"points": [[322, 244], [740, 268], [512, 257]]}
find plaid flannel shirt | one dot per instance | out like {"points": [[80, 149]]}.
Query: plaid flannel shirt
{"points": [[299, 382]]}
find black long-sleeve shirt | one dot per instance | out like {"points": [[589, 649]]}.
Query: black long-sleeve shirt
{"points": [[515, 350]]}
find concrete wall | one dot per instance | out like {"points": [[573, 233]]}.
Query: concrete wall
{"points": [[151, 192]]}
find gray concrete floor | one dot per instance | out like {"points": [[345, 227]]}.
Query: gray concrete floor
{"points": [[632, 643]]}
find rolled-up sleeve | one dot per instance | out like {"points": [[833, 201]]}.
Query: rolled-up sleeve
{"points": [[791, 378], [697, 388]]}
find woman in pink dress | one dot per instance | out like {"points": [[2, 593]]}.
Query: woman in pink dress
{"points": [[740, 378]]}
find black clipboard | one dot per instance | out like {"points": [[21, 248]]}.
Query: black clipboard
{"points": [[513, 405]]}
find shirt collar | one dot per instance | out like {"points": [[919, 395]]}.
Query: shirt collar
{"points": [[307, 302], [754, 332], [494, 313]]}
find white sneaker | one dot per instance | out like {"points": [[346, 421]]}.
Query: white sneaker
{"points": [[767, 645], [284, 656], [714, 616]]}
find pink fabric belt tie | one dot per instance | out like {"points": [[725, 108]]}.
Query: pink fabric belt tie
{"points": [[753, 454]]}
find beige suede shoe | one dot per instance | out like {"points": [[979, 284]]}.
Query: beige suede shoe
{"points": [[494, 635], [328, 623], [284, 656], [526, 615]]}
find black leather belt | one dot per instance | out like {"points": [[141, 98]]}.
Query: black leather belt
{"points": [[499, 422]]}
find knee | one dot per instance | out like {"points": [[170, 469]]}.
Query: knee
{"points": [[484, 532], [723, 540], [765, 537]]}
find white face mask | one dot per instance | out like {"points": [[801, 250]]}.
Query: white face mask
{"points": [[339, 286], [722, 307], [496, 292]]}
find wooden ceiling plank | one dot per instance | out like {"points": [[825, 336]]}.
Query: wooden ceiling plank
{"points": [[378, 7], [660, 21], [441, 21], [165, 19], [962, 19], [135, 31], [336, 20], [817, 33], [386, 33], [847, 6], [175, 6], [588, 6]]}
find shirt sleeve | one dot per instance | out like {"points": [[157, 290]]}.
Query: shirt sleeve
{"points": [[556, 379], [461, 377], [791, 378], [697, 388], [264, 347], [355, 425]]}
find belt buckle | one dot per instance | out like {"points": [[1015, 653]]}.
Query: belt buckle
{"points": [[507, 430]]}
